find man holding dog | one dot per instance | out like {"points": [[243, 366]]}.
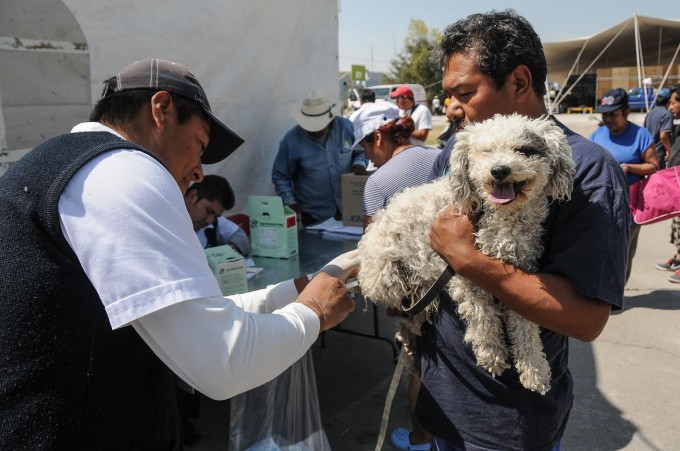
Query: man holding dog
{"points": [[494, 64]]}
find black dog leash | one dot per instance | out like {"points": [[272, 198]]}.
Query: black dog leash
{"points": [[431, 293]]}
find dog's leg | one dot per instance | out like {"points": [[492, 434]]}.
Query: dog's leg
{"points": [[409, 344], [484, 326], [527, 351]]}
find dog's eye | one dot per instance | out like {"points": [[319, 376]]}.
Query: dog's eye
{"points": [[529, 151]]}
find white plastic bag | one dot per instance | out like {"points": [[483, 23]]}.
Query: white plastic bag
{"points": [[281, 415]]}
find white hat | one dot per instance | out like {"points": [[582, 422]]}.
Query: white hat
{"points": [[315, 113], [371, 117]]}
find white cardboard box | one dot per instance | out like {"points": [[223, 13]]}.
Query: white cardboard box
{"points": [[273, 227], [353, 199], [229, 268]]}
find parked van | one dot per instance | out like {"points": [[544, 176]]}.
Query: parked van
{"points": [[636, 98], [382, 92]]}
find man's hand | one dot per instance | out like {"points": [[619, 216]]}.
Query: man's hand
{"points": [[327, 297], [452, 237], [358, 169]]}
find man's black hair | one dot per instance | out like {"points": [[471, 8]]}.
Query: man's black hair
{"points": [[663, 100], [215, 187], [501, 40], [675, 89], [367, 95], [120, 108]]}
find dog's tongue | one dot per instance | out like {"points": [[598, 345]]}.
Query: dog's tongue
{"points": [[502, 193]]}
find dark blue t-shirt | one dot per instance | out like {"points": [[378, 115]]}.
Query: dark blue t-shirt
{"points": [[586, 241], [658, 120]]}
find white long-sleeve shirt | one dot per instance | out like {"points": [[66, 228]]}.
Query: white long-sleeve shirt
{"points": [[124, 216]]}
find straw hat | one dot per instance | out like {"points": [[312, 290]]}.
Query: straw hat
{"points": [[315, 113]]}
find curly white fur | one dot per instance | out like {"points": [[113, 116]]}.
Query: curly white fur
{"points": [[507, 169]]}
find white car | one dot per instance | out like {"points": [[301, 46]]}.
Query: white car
{"points": [[382, 92]]}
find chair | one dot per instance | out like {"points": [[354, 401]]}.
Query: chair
{"points": [[242, 220]]}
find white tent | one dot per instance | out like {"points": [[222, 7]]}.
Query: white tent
{"points": [[254, 58], [639, 42]]}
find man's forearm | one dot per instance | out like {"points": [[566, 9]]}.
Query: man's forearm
{"points": [[549, 300], [420, 135]]}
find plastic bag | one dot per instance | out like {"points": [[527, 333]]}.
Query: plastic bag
{"points": [[281, 415], [657, 197]]}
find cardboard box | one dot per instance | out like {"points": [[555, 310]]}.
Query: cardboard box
{"points": [[353, 199], [273, 227], [229, 268]]}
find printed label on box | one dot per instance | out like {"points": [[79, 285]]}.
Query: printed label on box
{"points": [[229, 269], [273, 227]]}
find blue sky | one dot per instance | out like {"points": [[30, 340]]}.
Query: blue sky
{"points": [[372, 32]]}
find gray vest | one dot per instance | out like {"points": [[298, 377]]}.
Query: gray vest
{"points": [[68, 381]]}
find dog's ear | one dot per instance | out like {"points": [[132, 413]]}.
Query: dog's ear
{"points": [[561, 181], [464, 194]]}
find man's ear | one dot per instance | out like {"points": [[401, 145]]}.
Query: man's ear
{"points": [[521, 80], [191, 196], [161, 108]]}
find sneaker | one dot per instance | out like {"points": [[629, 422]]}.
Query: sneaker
{"points": [[672, 264], [675, 277]]}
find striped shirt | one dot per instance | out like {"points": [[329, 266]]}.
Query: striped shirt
{"points": [[411, 167]]}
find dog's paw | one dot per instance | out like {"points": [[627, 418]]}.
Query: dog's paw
{"points": [[491, 362], [536, 376]]}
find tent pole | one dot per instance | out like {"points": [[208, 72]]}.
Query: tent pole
{"points": [[658, 58], [623, 27], [668, 70], [558, 96], [639, 63]]}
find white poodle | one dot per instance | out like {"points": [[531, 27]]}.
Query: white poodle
{"points": [[506, 171]]}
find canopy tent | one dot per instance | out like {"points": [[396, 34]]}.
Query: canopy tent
{"points": [[55, 55], [638, 42]]}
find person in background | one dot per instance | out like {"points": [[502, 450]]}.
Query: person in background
{"points": [[385, 136], [366, 96], [421, 116], [206, 202], [659, 123], [436, 106], [106, 295], [631, 145], [494, 64], [447, 139], [673, 263], [312, 157]]}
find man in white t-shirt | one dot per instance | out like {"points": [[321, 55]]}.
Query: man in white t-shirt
{"points": [[422, 118], [106, 293]]}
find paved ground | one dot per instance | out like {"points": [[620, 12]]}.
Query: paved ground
{"points": [[626, 398]]}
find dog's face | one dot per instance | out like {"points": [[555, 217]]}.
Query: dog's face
{"points": [[507, 161], [508, 170]]}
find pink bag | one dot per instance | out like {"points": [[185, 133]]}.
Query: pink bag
{"points": [[657, 197]]}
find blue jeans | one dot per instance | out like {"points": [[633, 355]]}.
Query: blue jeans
{"points": [[443, 445]]}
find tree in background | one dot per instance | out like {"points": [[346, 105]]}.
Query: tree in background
{"points": [[413, 64]]}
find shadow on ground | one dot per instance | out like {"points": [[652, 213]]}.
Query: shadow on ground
{"points": [[595, 424], [668, 299]]}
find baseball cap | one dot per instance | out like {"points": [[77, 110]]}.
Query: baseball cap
{"points": [[162, 75], [371, 117], [613, 99], [402, 90]]}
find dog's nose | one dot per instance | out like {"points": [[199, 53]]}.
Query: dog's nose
{"points": [[500, 172]]}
